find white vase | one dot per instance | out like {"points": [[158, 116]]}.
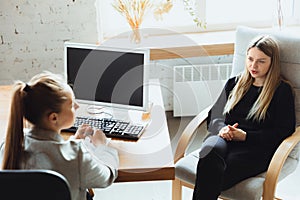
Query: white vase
{"points": [[136, 36]]}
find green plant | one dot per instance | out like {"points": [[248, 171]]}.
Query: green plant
{"points": [[190, 8]]}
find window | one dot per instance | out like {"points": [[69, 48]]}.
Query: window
{"points": [[218, 15], [255, 12]]}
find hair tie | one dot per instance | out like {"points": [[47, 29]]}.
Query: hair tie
{"points": [[27, 88]]}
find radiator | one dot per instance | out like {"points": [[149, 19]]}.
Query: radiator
{"points": [[197, 86]]}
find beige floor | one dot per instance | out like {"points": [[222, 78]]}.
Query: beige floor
{"points": [[288, 189]]}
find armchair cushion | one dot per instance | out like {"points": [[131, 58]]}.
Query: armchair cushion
{"points": [[186, 168]]}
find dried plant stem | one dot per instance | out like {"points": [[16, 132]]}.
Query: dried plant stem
{"points": [[134, 12], [279, 14]]}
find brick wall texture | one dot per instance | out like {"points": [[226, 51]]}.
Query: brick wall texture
{"points": [[33, 32]]}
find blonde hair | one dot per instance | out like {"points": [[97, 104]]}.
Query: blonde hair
{"points": [[44, 94], [269, 46]]}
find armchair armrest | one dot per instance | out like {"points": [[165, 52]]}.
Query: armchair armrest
{"points": [[277, 162], [188, 132]]}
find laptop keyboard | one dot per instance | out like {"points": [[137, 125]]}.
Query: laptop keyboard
{"points": [[111, 127]]}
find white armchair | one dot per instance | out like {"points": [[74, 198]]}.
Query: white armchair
{"points": [[285, 159]]}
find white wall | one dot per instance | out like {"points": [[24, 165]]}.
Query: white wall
{"points": [[32, 34]]}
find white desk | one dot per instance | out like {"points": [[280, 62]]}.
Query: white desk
{"points": [[149, 158]]}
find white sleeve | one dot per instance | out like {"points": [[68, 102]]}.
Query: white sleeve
{"points": [[99, 165]]}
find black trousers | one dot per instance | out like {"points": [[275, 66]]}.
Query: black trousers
{"points": [[219, 169]]}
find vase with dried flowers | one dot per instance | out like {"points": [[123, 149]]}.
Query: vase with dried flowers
{"points": [[134, 11]]}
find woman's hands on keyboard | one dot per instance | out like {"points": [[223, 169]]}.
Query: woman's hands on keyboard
{"points": [[96, 136]]}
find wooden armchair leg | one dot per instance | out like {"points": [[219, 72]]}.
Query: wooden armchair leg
{"points": [[176, 189]]}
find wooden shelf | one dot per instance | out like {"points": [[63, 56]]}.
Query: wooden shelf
{"points": [[187, 45], [191, 51], [181, 45]]}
